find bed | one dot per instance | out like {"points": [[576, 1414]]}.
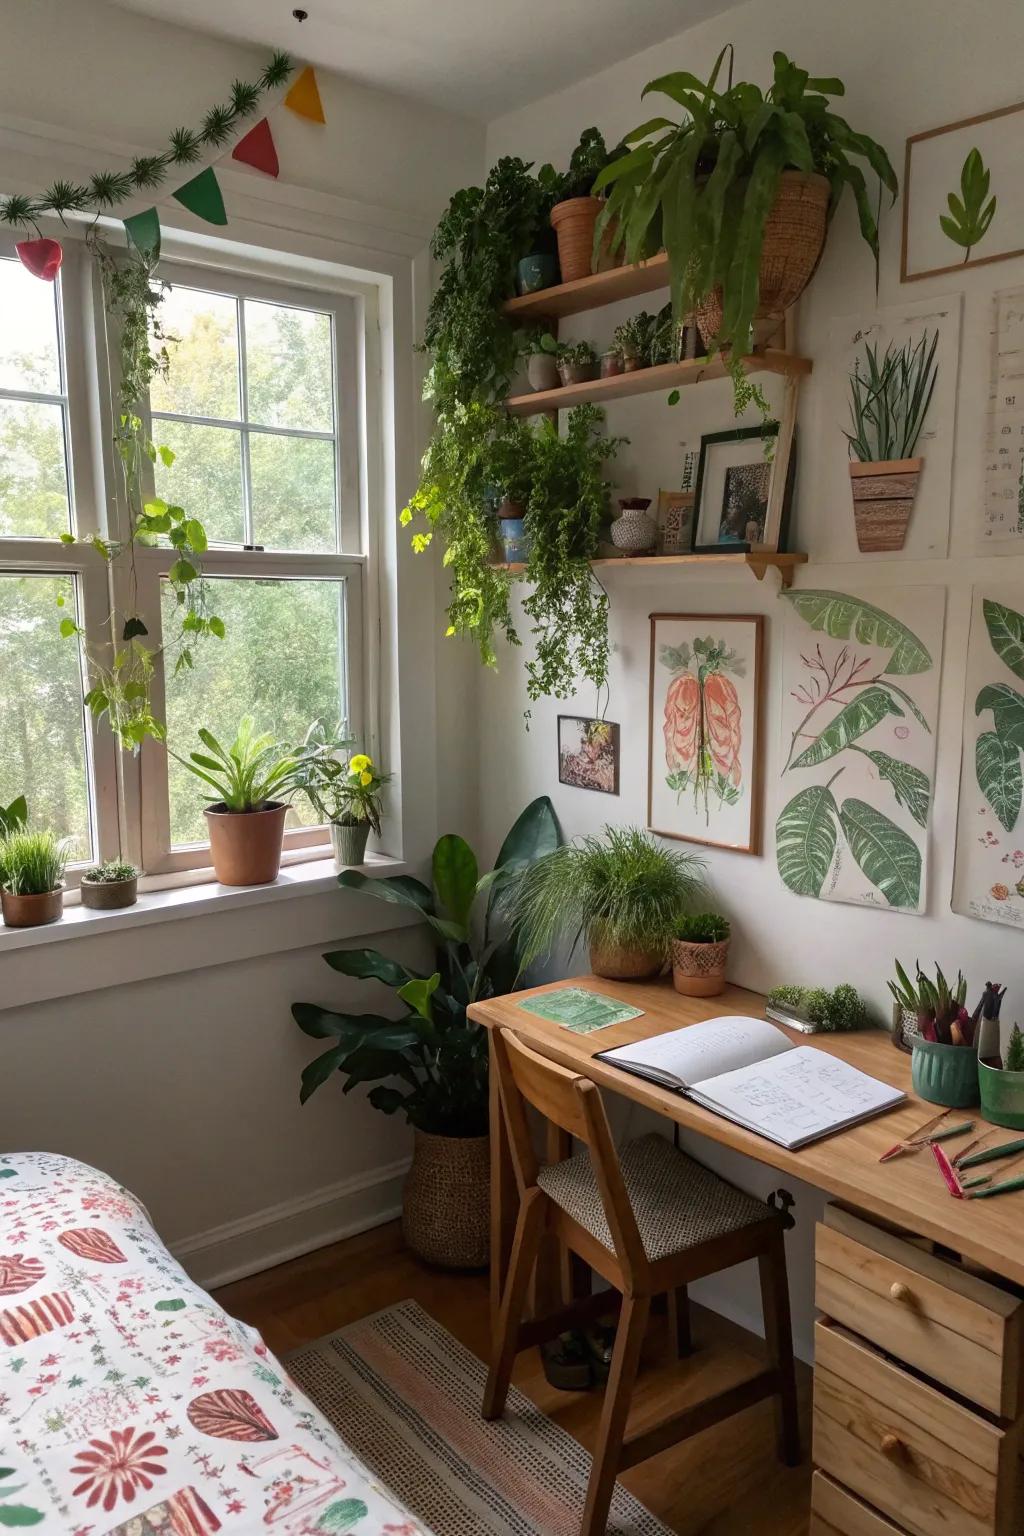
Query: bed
{"points": [[130, 1402]]}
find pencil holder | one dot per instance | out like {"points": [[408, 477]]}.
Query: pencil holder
{"points": [[945, 1074]]}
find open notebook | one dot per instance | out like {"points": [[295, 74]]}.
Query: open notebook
{"points": [[748, 1071]]}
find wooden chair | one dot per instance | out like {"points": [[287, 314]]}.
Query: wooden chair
{"points": [[648, 1220]]}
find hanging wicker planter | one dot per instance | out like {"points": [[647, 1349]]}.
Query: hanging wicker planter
{"points": [[573, 222], [447, 1200], [794, 238]]}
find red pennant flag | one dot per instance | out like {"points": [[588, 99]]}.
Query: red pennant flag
{"points": [[41, 257], [201, 196], [257, 149], [304, 97]]}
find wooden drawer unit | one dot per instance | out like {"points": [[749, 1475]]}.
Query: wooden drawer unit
{"points": [[949, 1325], [922, 1459], [836, 1512]]}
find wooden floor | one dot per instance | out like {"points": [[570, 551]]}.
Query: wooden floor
{"points": [[724, 1482]]}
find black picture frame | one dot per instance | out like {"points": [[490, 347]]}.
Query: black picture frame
{"points": [[737, 435]]}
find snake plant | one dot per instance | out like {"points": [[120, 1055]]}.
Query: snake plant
{"points": [[889, 400]]}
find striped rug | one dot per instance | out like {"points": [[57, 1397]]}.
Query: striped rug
{"points": [[405, 1395]]}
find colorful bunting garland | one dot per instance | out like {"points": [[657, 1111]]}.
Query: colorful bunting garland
{"points": [[258, 149], [42, 257], [202, 196], [143, 231], [304, 98]]}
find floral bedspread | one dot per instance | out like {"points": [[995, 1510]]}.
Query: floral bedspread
{"points": [[130, 1403]]}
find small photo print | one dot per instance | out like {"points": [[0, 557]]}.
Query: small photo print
{"points": [[675, 514], [588, 754]]}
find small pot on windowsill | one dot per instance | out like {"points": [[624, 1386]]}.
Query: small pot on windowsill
{"points": [[246, 845], [109, 895], [33, 910], [349, 839]]}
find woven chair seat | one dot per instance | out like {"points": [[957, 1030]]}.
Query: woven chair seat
{"points": [[678, 1204]]}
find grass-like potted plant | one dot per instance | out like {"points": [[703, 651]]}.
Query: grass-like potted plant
{"points": [[575, 211], [944, 1067], [32, 866], [430, 1064], [253, 780], [346, 794], [110, 886], [700, 952], [889, 400], [577, 362], [622, 894]]}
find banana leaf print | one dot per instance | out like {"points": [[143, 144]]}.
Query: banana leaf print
{"points": [[861, 715], [911, 787], [1006, 631], [997, 765], [844, 618], [703, 723], [890, 859], [805, 839], [1007, 707]]}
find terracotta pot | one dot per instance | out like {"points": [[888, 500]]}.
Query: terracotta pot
{"points": [[577, 373], [32, 911], [883, 499], [698, 970], [573, 222], [607, 958], [447, 1200], [511, 509], [632, 364], [109, 895], [611, 365], [246, 845], [542, 371], [794, 238], [349, 842]]}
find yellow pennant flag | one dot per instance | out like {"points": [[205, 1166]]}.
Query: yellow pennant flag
{"points": [[304, 97]]}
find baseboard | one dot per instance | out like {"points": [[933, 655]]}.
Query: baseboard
{"points": [[294, 1227]]}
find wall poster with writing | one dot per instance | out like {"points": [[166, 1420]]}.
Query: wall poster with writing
{"points": [[1004, 447]]}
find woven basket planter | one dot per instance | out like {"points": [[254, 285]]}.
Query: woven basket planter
{"points": [[698, 970], [447, 1200], [883, 499], [618, 962], [573, 222], [794, 238]]}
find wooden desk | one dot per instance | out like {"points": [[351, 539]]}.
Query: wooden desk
{"points": [[908, 1192]]}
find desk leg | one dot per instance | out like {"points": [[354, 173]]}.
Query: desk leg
{"points": [[504, 1202]]}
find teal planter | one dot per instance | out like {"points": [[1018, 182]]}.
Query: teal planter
{"points": [[536, 272], [1002, 1093], [945, 1074]]}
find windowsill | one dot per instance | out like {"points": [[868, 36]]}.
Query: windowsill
{"points": [[208, 898]]}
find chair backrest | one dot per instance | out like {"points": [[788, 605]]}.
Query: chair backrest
{"points": [[527, 1075]]}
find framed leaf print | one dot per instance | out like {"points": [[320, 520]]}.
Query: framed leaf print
{"points": [[704, 742], [860, 702]]}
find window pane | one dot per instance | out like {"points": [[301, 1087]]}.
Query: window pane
{"points": [[42, 727], [29, 354], [289, 367], [203, 378], [205, 478], [282, 660], [293, 504], [33, 471]]}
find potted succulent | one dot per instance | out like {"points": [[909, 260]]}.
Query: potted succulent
{"points": [[634, 338], [110, 886], [577, 362], [345, 794], [620, 893], [1000, 1073], [541, 367], [739, 193], [32, 866], [575, 211], [430, 1064], [889, 401], [945, 1057], [253, 779], [700, 950]]}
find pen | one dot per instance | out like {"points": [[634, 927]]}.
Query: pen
{"points": [[997, 1189], [991, 1154]]}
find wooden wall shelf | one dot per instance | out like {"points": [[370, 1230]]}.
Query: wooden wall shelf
{"points": [[756, 561], [646, 381], [591, 292]]}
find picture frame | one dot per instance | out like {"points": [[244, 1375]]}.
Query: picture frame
{"points": [[734, 509], [675, 522], [588, 754], [706, 686]]}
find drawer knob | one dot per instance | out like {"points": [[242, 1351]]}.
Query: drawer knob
{"points": [[892, 1446], [899, 1292]]}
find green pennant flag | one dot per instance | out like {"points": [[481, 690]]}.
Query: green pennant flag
{"points": [[202, 197], [143, 231]]}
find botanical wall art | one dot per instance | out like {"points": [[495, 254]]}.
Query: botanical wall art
{"points": [[963, 202], [886, 429], [861, 693], [1003, 521], [704, 755], [588, 754], [989, 878]]}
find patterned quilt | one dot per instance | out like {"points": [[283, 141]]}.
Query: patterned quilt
{"points": [[130, 1403]]}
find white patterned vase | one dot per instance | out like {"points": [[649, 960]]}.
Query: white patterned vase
{"points": [[634, 531]]}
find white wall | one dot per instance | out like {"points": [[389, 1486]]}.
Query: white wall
{"points": [[907, 67]]}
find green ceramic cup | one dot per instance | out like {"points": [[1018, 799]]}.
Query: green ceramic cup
{"points": [[945, 1074], [1002, 1096]]}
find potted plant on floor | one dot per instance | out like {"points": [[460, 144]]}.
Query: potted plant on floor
{"points": [[431, 1062], [575, 211], [621, 894], [253, 779], [346, 794], [700, 951], [944, 1066], [110, 886], [889, 401], [739, 193], [32, 866]]}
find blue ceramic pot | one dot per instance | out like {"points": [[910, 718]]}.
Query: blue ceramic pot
{"points": [[536, 272], [514, 540], [945, 1074]]}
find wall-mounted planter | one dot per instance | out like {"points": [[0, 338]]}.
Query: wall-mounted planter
{"points": [[945, 1074], [883, 499], [1002, 1093]]}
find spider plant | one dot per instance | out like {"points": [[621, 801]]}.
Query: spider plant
{"points": [[889, 399], [249, 773], [32, 863]]}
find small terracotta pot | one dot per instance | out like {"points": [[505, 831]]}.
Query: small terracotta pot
{"points": [[698, 970], [246, 845], [631, 364], [611, 365], [883, 499], [32, 911], [542, 371], [508, 508], [607, 958], [577, 373], [109, 895], [573, 222]]}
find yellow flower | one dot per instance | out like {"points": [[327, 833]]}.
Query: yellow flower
{"points": [[360, 763], [365, 778]]}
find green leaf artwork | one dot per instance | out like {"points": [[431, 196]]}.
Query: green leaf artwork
{"points": [[970, 215], [911, 787], [844, 618], [1006, 632], [861, 715], [997, 764], [997, 760], [890, 859], [805, 838], [1007, 707]]}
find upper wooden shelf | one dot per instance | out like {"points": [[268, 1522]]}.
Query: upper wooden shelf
{"points": [[647, 380], [591, 292], [758, 561]]}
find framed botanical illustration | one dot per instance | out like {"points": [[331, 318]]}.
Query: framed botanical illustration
{"points": [[733, 492], [588, 754], [705, 756]]}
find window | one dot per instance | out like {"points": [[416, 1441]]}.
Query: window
{"points": [[261, 410]]}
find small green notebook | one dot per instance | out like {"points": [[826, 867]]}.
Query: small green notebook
{"points": [[579, 1010]]}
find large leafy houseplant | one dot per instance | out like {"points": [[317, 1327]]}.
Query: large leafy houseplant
{"points": [[431, 1062], [703, 187]]}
